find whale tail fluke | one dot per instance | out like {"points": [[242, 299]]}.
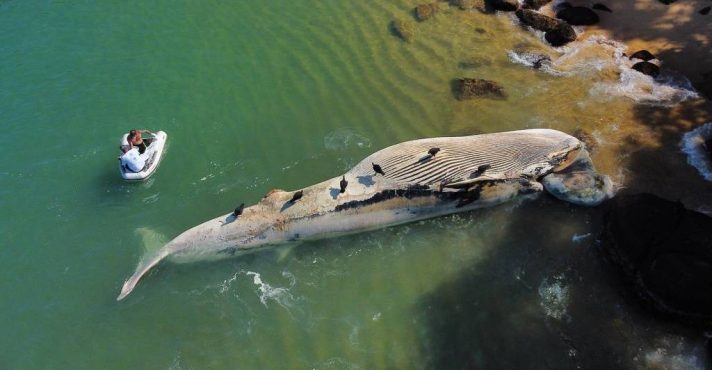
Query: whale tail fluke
{"points": [[143, 267], [152, 242]]}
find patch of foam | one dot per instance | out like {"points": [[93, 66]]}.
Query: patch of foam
{"points": [[577, 238], [533, 60], [554, 297], [698, 156], [667, 90], [345, 138], [605, 62], [267, 292], [671, 353]]}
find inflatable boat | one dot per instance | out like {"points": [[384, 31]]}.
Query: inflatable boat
{"points": [[137, 167]]}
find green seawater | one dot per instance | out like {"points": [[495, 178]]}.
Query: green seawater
{"points": [[256, 95]]}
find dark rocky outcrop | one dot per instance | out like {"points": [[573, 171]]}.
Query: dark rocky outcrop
{"points": [[563, 5], [647, 68], [403, 29], [425, 11], [537, 20], [642, 55], [561, 35], [469, 88], [578, 16], [602, 7], [663, 252], [503, 5], [705, 10], [534, 4]]}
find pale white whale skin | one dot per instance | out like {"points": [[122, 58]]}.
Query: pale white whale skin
{"points": [[415, 186]]}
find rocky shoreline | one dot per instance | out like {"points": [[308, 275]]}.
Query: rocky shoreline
{"points": [[660, 249]]}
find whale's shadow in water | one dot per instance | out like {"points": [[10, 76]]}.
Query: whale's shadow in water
{"points": [[493, 314]]}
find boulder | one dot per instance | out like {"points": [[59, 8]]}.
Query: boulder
{"points": [[403, 29], [503, 5], [647, 68], [425, 11], [705, 10], [562, 5], [663, 252], [537, 20], [642, 55], [667, 2], [469, 88], [561, 35], [534, 4], [578, 16]]}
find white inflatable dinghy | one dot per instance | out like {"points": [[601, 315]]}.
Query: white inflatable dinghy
{"points": [[137, 167]]}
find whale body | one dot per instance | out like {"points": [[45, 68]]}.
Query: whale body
{"points": [[468, 172]]}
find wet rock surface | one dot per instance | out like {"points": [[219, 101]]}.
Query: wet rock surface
{"points": [[578, 16], [561, 35], [403, 29], [534, 4], [663, 252], [470, 88], [503, 5], [642, 55], [537, 20], [647, 68], [425, 11]]}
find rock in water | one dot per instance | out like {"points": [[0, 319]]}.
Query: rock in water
{"points": [[425, 11], [643, 55], [503, 5], [469, 88], [537, 21], [647, 68], [705, 10], [578, 16], [664, 252], [534, 4], [602, 7], [561, 35], [403, 29]]}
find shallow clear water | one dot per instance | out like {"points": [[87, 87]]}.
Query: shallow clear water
{"points": [[258, 95]]}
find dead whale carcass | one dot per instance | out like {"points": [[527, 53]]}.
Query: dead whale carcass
{"points": [[399, 184]]}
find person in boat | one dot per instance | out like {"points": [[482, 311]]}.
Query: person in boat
{"points": [[135, 140]]}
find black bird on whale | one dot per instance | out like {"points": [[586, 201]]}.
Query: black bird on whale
{"points": [[343, 183], [480, 170], [238, 210], [378, 169], [433, 151], [298, 195]]}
